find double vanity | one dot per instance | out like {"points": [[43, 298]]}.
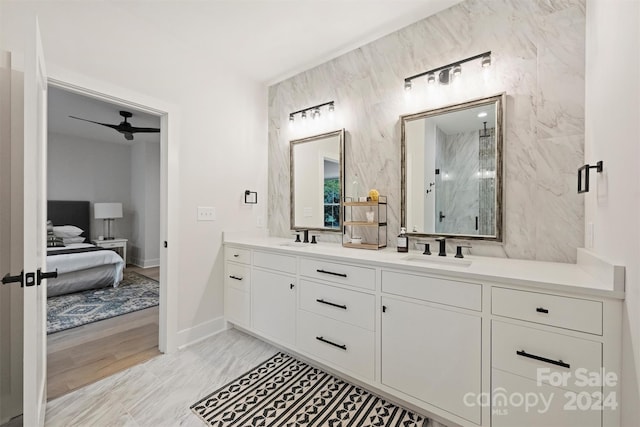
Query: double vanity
{"points": [[475, 341]]}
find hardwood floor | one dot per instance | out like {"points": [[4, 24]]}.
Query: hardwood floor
{"points": [[80, 356]]}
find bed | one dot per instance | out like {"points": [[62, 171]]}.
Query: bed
{"points": [[80, 266]]}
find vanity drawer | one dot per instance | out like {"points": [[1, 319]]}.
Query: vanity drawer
{"points": [[548, 410], [564, 312], [344, 345], [361, 277], [284, 263], [449, 292], [238, 276], [237, 255], [519, 350], [352, 307]]}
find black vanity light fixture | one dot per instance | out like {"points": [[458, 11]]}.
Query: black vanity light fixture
{"points": [[447, 72], [250, 197], [314, 112]]}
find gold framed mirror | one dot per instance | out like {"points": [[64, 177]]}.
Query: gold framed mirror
{"points": [[452, 170], [317, 181]]}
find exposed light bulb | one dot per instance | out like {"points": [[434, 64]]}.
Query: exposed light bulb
{"points": [[304, 115], [486, 61], [291, 118], [332, 108], [482, 114], [316, 113], [457, 70], [431, 78], [407, 85]]}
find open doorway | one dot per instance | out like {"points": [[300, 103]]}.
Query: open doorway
{"points": [[103, 315]]}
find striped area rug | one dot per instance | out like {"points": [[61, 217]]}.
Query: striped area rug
{"points": [[284, 391]]}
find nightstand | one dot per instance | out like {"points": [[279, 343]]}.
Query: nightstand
{"points": [[119, 245]]}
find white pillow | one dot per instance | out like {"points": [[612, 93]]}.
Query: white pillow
{"points": [[70, 240], [67, 231]]}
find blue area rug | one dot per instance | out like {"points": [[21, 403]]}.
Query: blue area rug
{"points": [[135, 292]]}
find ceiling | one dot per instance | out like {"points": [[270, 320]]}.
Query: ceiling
{"points": [[63, 104], [270, 40], [265, 40]]}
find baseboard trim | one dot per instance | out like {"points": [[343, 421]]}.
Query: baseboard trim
{"points": [[190, 336], [145, 263]]}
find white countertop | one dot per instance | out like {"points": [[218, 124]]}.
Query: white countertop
{"points": [[572, 278]]}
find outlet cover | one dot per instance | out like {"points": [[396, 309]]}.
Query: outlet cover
{"points": [[206, 213]]}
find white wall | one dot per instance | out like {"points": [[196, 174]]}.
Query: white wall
{"points": [[81, 169], [144, 243], [222, 141], [613, 136]]}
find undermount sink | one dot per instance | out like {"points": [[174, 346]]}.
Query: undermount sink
{"points": [[438, 260]]}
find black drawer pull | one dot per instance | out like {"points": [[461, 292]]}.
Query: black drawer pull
{"points": [[543, 359], [331, 272], [332, 304], [235, 277], [236, 255], [342, 346], [542, 310]]}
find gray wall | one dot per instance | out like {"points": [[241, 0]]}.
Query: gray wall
{"points": [[81, 169], [538, 60]]}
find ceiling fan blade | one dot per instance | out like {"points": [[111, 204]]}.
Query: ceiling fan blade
{"points": [[143, 130], [98, 123]]}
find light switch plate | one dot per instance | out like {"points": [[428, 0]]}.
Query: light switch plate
{"points": [[206, 213]]}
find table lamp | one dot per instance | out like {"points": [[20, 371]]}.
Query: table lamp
{"points": [[108, 212]]}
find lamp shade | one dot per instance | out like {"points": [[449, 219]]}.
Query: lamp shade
{"points": [[107, 210]]}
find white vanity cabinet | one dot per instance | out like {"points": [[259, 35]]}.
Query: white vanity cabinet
{"points": [[459, 343], [544, 346], [273, 296], [336, 316], [432, 351], [237, 285]]}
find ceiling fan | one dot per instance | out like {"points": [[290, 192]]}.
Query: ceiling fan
{"points": [[124, 127]]}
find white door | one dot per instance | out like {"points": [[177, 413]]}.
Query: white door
{"points": [[35, 217]]}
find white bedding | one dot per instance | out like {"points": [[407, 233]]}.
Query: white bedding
{"points": [[84, 270]]}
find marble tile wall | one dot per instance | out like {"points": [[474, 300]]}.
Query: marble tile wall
{"points": [[538, 61]]}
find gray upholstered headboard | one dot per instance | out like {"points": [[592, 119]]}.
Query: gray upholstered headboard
{"points": [[70, 212]]}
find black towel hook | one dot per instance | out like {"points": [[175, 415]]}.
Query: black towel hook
{"points": [[583, 176]]}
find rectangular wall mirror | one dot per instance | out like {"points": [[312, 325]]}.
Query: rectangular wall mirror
{"points": [[317, 181], [452, 170]]}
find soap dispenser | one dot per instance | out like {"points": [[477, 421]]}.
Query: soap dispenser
{"points": [[403, 240]]}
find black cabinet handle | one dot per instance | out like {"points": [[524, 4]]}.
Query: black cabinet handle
{"points": [[341, 346], [332, 304], [543, 359], [331, 272], [291, 285], [236, 255], [542, 310], [235, 277]]}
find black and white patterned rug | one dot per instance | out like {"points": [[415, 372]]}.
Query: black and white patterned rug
{"points": [[135, 292], [284, 391]]}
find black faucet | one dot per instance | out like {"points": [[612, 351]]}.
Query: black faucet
{"points": [[443, 246], [306, 236], [459, 250]]}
